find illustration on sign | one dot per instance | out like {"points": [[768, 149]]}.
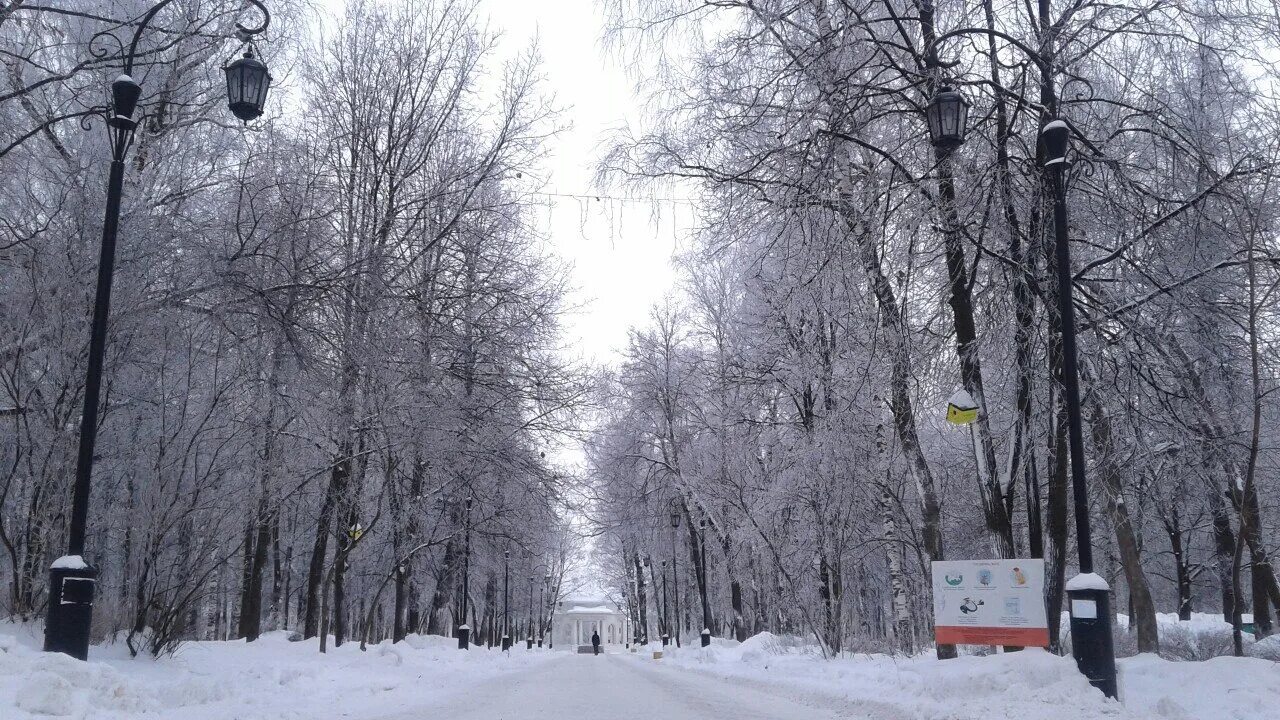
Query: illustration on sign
{"points": [[990, 602]]}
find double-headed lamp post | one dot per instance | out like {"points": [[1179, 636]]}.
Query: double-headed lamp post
{"points": [[72, 581], [1089, 595]]}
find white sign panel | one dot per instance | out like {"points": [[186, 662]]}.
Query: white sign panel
{"points": [[990, 602]]}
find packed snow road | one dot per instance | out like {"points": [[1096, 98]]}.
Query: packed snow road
{"points": [[621, 687]]}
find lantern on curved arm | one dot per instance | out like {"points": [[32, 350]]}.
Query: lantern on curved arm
{"points": [[948, 116], [247, 85], [72, 580]]}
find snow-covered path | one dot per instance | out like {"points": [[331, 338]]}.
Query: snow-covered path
{"points": [[622, 687]]}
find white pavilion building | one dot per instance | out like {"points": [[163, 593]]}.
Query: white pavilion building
{"points": [[576, 618]]}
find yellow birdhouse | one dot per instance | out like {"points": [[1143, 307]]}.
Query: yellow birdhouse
{"points": [[961, 408]]}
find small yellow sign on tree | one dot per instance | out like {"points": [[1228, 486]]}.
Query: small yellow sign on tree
{"points": [[961, 408]]}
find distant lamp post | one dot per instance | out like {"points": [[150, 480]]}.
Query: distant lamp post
{"points": [[528, 622], [948, 116], [506, 600], [675, 577], [72, 581], [464, 630], [666, 608], [542, 609], [550, 615], [706, 605]]}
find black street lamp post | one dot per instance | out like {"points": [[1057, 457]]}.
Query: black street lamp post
{"points": [[675, 577], [1092, 644], [464, 630], [72, 581], [506, 600], [551, 615], [542, 609], [1088, 594], [666, 608], [528, 623], [706, 603]]}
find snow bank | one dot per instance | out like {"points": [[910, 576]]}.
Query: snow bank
{"points": [[1221, 688], [271, 678], [1204, 636], [1022, 685]]}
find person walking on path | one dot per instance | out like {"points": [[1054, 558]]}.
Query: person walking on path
{"points": [[595, 641]]}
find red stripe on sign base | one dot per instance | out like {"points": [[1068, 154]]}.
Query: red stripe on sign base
{"points": [[1021, 637]]}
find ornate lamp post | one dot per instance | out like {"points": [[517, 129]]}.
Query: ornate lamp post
{"points": [[1092, 644], [72, 581], [675, 577]]}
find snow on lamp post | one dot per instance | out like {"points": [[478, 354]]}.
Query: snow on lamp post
{"points": [[72, 581]]}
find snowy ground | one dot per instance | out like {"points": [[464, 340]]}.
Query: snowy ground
{"points": [[269, 679], [764, 678], [1029, 685]]}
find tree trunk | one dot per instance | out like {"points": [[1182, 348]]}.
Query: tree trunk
{"points": [[642, 606], [441, 595], [1058, 534], [904, 639], [398, 617], [1182, 569], [251, 597], [339, 596], [338, 478], [1143, 615]]}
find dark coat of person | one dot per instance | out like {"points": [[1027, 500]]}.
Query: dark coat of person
{"points": [[595, 642]]}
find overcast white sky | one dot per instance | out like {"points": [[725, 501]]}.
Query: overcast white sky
{"points": [[620, 251]]}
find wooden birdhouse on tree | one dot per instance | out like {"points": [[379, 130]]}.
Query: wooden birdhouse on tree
{"points": [[961, 408]]}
